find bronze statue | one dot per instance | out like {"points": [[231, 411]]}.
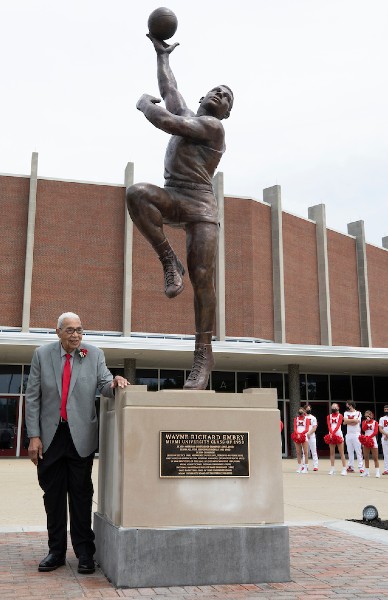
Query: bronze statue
{"points": [[187, 199]]}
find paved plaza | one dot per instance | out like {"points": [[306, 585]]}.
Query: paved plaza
{"points": [[330, 557]]}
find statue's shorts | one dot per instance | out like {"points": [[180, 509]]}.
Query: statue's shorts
{"points": [[191, 206]]}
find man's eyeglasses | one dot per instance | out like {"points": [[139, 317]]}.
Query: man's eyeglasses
{"points": [[71, 330]]}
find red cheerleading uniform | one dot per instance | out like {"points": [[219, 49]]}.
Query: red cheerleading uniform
{"points": [[334, 437], [370, 429], [301, 428]]}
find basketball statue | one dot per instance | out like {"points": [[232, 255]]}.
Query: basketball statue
{"points": [[187, 199]]}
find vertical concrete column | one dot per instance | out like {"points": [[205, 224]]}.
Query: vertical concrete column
{"points": [[294, 393], [357, 230], [218, 186], [30, 243], [272, 195], [318, 214], [130, 370], [128, 246], [385, 242]]}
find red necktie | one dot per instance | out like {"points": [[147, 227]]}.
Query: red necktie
{"points": [[65, 386]]}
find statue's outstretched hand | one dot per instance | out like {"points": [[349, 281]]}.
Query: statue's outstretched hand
{"points": [[145, 101], [160, 46]]}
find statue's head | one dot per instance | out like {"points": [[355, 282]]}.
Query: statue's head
{"points": [[218, 101]]}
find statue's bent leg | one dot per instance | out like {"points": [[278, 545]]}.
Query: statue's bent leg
{"points": [[147, 205], [202, 242]]}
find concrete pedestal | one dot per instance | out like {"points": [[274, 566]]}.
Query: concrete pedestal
{"points": [[153, 532]]}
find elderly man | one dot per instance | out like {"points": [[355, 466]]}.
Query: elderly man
{"points": [[187, 199], [62, 426]]}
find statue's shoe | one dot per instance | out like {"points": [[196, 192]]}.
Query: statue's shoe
{"points": [[201, 369], [173, 274]]}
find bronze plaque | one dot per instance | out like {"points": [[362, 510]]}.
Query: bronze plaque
{"points": [[204, 454]]}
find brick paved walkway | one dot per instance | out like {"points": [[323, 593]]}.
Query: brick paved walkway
{"points": [[324, 564]]}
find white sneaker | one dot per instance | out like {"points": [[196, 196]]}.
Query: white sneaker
{"points": [[305, 470], [299, 469], [344, 472], [365, 474], [377, 472], [332, 471]]}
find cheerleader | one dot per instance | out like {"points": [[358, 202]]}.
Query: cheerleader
{"points": [[311, 439], [335, 438], [383, 427], [352, 420], [370, 427], [299, 435]]}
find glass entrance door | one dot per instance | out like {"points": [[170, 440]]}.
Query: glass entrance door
{"points": [[9, 412]]}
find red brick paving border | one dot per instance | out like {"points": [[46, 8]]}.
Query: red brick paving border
{"points": [[324, 564]]}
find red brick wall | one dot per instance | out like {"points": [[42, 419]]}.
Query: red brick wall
{"points": [[300, 281], [152, 311], [345, 320], [378, 294], [248, 269], [78, 265], [78, 257], [14, 192]]}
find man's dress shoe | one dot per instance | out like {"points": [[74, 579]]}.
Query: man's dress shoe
{"points": [[51, 562], [86, 564]]}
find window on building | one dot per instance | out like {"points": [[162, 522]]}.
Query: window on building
{"points": [[303, 387], [148, 377], [273, 380], [381, 389], [10, 379], [363, 389], [116, 371], [8, 423], [223, 381], [318, 387], [379, 410], [25, 442], [26, 372], [340, 388], [247, 380], [171, 379]]}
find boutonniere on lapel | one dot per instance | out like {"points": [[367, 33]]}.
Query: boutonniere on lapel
{"points": [[82, 352]]}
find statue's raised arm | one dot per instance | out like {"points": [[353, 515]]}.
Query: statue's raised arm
{"points": [[168, 86]]}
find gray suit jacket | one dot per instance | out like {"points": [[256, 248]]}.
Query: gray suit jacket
{"points": [[44, 389]]}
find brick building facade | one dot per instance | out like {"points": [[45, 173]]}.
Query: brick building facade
{"points": [[290, 291]]}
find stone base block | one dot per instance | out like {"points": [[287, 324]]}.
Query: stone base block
{"points": [[165, 557]]}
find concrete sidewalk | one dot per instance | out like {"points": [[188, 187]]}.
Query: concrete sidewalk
{"points": [[313, 498], [330, 557]]}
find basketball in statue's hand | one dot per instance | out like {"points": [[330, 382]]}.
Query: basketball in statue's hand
{"points": [[162, 23]]}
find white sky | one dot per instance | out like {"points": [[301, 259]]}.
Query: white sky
{"points": [[310, 80]]}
